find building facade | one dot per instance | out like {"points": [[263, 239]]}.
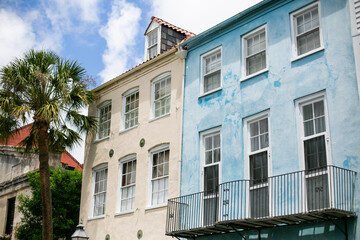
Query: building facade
{"points": [[132, 163], [14, 167], [270, 140]]}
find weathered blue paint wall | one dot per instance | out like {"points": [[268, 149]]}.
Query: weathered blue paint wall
{"points": [[331, 69]]}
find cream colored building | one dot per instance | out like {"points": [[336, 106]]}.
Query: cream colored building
{"points": [[132, 163]]}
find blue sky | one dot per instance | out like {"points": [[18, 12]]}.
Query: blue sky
{"points": [[106, 37]]}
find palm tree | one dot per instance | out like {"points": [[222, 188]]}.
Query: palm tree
{"points": [[51, 91]]}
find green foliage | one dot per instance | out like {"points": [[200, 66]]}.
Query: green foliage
{"points": [[50, 90], [66, 191]]}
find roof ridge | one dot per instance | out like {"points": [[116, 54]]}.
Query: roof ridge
{"points": [[176, 28]]}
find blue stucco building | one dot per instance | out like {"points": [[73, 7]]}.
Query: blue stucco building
{"points": [[271, 126]]}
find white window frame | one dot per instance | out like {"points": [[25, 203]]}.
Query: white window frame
{"points": [[99, 108], [204, 134], [299, 103], [153, 151], [126, 159], [125, 95], [158, 79], [248, 152], [158, 30], [96, 169], [299, 118], [244, 51], [293, 30], [214, 51]]}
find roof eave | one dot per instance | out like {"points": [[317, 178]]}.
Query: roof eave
{"points": [[137, 68]]}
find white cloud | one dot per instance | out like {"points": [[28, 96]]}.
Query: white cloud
{"points": [[63, 13], [198, 15], [120, 33], [16, 36]]}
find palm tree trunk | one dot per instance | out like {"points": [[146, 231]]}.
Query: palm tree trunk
{"points": [[47, 226]]}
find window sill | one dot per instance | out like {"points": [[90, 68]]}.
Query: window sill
{"points": [[254, 74], [154, 119], [208, 93], [307, 54], [128, 129], [124, 212], [100, 140], [95, 218], [156, 206]]}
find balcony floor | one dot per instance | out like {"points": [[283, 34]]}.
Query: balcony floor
{"points": [[265, 222]]}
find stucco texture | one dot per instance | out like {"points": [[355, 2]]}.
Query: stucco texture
{"points": [[331, 70], [165, 130]]}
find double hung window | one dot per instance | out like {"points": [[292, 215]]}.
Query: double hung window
{"points": [[258, 154], [128, 179], [255, 51], [306, 29], [104, 115], [313, 122], [211, 71], [130, 108], [159, 175], [161, 89], [99, 195], [152, 40], [211, 144]]}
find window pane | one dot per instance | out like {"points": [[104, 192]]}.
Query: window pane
{"points": [[104, 121], [263, 125], [217, 155], [308, 42], [208, 143], [254, 143], [217, 141], [254, 129], [208, 157], [320, 125], [258, 168], [308, 128], [264, 140], [152, 51], [212, 71], [307, 112], [212, 81], [154, 172], [255, 63], [315, 153], [211, 179], [319, 109], [162, 96]]}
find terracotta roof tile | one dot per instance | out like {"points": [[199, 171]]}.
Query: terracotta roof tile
{"points": [[66, 157], [183, 31]]}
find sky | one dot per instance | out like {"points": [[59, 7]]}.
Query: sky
{"points": [[105, 37]]}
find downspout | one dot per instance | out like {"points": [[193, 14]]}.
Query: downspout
{"points": [[181, 54]]}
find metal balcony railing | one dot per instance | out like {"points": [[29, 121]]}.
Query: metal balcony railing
{"points": [[301, 195]]}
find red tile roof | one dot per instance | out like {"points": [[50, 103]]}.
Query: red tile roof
{"points": [[66, 157], [169, 25]]}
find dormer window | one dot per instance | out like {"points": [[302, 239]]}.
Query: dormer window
{"points": [[152, 49], [160, 36]]}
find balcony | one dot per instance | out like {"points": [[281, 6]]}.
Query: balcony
{"points": [[321, 194]]}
